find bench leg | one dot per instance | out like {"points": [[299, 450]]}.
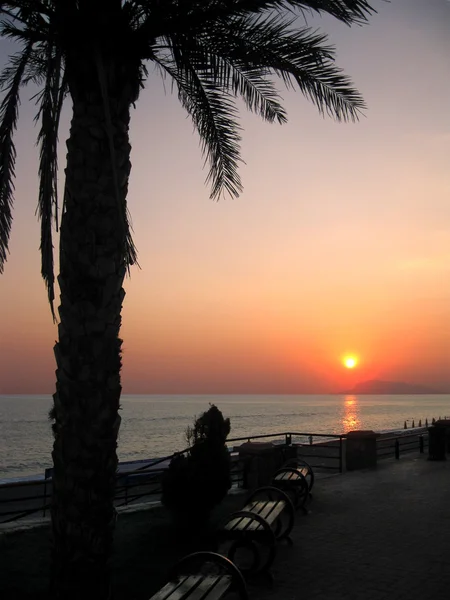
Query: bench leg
{"points": [[252, 557], [260, 543], [250, 546]]}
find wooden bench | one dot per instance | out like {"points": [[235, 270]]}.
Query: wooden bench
{"points": [[203, 576], [267, 516], [296, 478]]}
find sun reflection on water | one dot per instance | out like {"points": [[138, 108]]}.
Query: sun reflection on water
{"points": [[350, 417]]}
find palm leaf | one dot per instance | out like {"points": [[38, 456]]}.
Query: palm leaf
{"points": [[50, 104], [236, 77], [257, 91], [10, 29], [9, 109], [214, 115], [300, 56], [348, 11], [183, 15]]}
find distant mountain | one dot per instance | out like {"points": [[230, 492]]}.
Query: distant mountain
{"points": [[375, 386]]}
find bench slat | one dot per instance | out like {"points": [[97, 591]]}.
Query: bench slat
{"points": [[292, 475], [220, 588], [257, 506], [286, 476], [242, 524], [269, 510], [177, 589], [272, 511], [165, 591], [211, 588]]}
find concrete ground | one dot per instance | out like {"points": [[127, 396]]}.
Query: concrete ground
{"points": [[380, 534]]}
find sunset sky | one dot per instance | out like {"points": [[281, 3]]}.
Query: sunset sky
{"points": [[339, 244]]}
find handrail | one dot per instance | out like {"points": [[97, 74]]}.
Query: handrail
{"points": [[406, 442], [156, 461], [287, 433], [331, 460]]}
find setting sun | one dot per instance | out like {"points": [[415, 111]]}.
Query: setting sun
{"points": [[350, 362]]}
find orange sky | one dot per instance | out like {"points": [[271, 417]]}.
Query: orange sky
{"points": [[340, 242]]}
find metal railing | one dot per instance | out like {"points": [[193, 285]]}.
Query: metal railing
{"points": [[396, 445], [20, 499], [17, 495], [134, 486], [27, 498], [325, 452]]}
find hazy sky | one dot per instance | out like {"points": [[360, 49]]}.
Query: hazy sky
{"points": [[339, 244]]}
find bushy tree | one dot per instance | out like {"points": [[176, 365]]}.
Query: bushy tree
{"points": [[194, 484]]}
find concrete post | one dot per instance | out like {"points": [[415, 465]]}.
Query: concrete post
{"points": [[361, 449], [261, 460]]}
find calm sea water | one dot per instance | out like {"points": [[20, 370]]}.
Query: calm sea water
{"points": [[154, 426]]}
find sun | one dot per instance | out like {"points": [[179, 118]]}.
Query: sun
{"points": [[350, 362]]}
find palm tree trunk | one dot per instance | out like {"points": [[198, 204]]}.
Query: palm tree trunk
{"points": [[88, 354]]}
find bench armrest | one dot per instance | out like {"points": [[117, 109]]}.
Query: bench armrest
{"points": [[299, 462], [194, 563], [269, 492]]}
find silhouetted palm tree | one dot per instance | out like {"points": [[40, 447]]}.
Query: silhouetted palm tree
{"points": [[95, 52]]}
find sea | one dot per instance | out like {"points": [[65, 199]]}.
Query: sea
{"points": [[154, 426]]}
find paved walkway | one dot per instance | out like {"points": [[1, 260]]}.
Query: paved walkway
{"points": [[379, 534]]}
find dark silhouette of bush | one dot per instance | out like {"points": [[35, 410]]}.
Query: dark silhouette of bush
{"points": [[194, 484]]}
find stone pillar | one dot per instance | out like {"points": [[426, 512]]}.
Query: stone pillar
{"points": [[361, 449], [261, 460], [439, 439]]}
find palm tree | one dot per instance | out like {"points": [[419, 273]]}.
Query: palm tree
{"points": [[95, 53]]}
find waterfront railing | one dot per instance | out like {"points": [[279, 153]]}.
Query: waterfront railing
{"points": [[325, 452], [396, 445]]}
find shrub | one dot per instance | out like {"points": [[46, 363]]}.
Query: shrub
{"points": [[194, 484]]}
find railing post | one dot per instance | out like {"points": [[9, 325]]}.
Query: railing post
{"points": [[288, 439], [45, 497], [397, 449], [340, 454], [421, 444], [47, 474], [310, 440]]}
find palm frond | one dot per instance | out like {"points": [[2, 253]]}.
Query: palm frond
{"points": [[135, 13], [193, 15], [9, 30], [36, 69], [297, 56], [28, 6], [50, 104], [257, 91], [9, 109], [215, 117], [348, 11], [236, 77], [27, 13]]}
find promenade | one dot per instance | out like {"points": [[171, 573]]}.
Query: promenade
{"points": [[379, 534]]}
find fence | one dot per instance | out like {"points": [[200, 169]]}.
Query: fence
{"points": [[21, 499], [325, 452], [27, 498], [396, 445]]}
